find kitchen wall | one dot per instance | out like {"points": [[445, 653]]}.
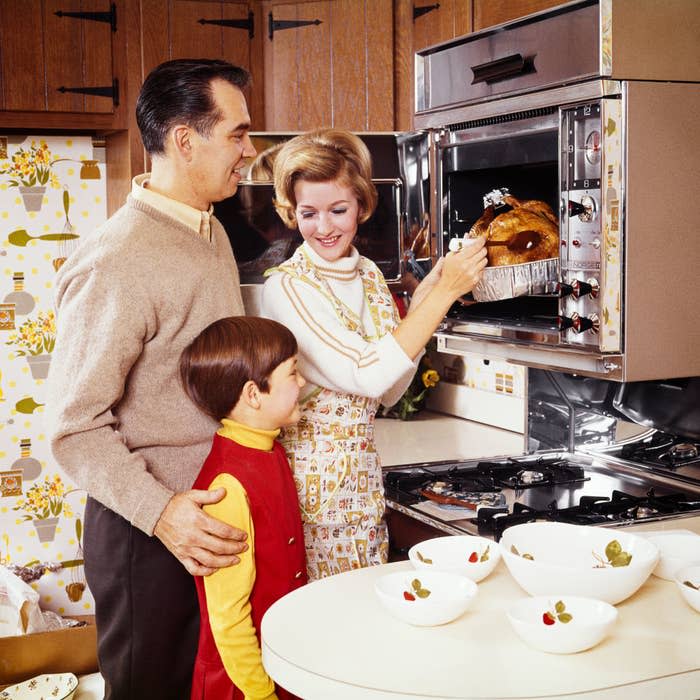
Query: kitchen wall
{"points": [[52, 194]]}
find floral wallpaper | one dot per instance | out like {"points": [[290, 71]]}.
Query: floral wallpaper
{"points": [[52, 193]]}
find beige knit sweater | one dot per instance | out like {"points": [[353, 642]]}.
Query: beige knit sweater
{"points": [[129, 300]]}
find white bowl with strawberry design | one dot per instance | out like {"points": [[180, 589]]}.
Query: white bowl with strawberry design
{"points": [[466, 555], [581, 560], [688, 583], [562, 624], [425, 598]]}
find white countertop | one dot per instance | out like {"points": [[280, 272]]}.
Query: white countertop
{"points": [[333, 639], [433, 437]]}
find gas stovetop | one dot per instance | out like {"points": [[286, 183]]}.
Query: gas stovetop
{"points": [[663, 453], [486, 496]]}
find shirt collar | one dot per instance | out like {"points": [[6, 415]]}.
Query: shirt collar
{"points": [[195, 219]]}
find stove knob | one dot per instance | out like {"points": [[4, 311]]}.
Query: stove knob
{"points": [[564, 289], [581, 288], [564, 322], [583, 323]]}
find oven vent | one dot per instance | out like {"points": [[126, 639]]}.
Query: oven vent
{"points": [[502, 118]]}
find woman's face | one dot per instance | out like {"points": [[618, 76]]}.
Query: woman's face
{"points": [[327, 214]]}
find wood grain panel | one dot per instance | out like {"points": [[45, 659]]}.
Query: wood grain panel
{"points": [[282, 94], [403, 65], [349, 69], [378, 36], [21, 44], [490, 12], [155, 34], [235, 42], [97, 56], [64, 52], [315, 84], [189, 39]]}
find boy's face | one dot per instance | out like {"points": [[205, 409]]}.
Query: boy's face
{"points": [[281, 403]]}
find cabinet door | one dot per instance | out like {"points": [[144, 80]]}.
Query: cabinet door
{"points": [[490, 12], [187, 29], [337, 72], [41, 52]]}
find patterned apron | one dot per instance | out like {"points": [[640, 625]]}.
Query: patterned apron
{"points": [[331, 450]]}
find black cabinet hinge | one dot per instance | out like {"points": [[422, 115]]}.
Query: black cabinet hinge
{"points": [[248, 24], [110, 91], [419, 11], [108, 17], [276, 25]]}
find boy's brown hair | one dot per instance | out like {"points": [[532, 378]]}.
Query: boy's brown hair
{"points": [[215, 366]]}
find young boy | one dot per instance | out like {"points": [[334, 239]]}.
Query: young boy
{"points": [[242, 371]]}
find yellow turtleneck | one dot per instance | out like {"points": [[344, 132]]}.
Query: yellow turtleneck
{"points": [[257, 438], [228, 590]]}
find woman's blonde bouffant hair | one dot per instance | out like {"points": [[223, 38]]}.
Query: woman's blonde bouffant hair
{"points": [[323, 156]]}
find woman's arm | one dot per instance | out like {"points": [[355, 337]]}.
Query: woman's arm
{"points": [[458, 274]]}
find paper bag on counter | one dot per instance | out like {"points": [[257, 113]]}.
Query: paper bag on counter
{"points": [[19, 606]]}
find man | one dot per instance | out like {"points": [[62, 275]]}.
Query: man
{"points": [[129, 300]]}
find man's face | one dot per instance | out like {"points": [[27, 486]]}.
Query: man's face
{"points": [[218, 158]]}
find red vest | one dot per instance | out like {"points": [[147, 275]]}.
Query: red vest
{"points": [[280, 559]]}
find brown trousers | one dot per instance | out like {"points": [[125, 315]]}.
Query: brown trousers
{"points": [[146, 610]]}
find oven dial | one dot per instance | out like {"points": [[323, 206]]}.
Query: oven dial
{"points": [[564, 289], [564, 322], [580, 288], [583, 323], [585, 210]]}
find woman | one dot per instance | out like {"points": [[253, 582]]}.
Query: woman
{"points": [[353, 350]]}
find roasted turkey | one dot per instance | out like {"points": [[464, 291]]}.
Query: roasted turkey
{"points": [[525, 216]]}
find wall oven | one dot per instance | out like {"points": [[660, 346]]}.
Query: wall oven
{"points": [[588, 109]]}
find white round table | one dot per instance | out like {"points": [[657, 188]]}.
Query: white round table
{"points": [[332, 640]]}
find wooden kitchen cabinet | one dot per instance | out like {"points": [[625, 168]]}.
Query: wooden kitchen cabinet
{"points": [[490, 12], [335, 71], [230, 30], [46, 57]]}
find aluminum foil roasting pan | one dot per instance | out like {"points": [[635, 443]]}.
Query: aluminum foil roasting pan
{"points": [[525, 279]]}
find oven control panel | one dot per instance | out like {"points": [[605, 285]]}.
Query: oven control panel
{"points": [[581, 162]]}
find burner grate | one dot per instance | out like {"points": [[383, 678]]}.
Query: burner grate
{"points": [[662, 450]]}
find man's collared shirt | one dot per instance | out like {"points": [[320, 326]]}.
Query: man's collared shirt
{"points": [[198, 221]]}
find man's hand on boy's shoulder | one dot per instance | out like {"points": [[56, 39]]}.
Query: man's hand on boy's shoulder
{"points": [[202, 543]]}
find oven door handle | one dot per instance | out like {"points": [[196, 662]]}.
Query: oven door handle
{"points": [[502, 68]]}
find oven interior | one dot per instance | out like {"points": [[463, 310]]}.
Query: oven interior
{"points": [[527, 164]]}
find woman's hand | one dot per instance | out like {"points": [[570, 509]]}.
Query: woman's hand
{"points": [[428, 282], [462, 269]]}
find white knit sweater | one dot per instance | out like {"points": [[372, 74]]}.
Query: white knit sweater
{"points": [[330, 355]]}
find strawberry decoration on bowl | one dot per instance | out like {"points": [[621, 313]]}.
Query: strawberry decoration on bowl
{"points": [[562, 625], [432, 598], [465, 555]]}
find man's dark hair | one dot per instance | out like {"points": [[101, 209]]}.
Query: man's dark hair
{"points": [[215, 366], [179, 92]]}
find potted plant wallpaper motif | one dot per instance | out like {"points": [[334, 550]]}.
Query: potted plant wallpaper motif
{"points": [[52, 194]]}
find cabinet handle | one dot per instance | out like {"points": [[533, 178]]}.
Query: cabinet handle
{"points": [[108, 17], [248, 24], [276, 25]]}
